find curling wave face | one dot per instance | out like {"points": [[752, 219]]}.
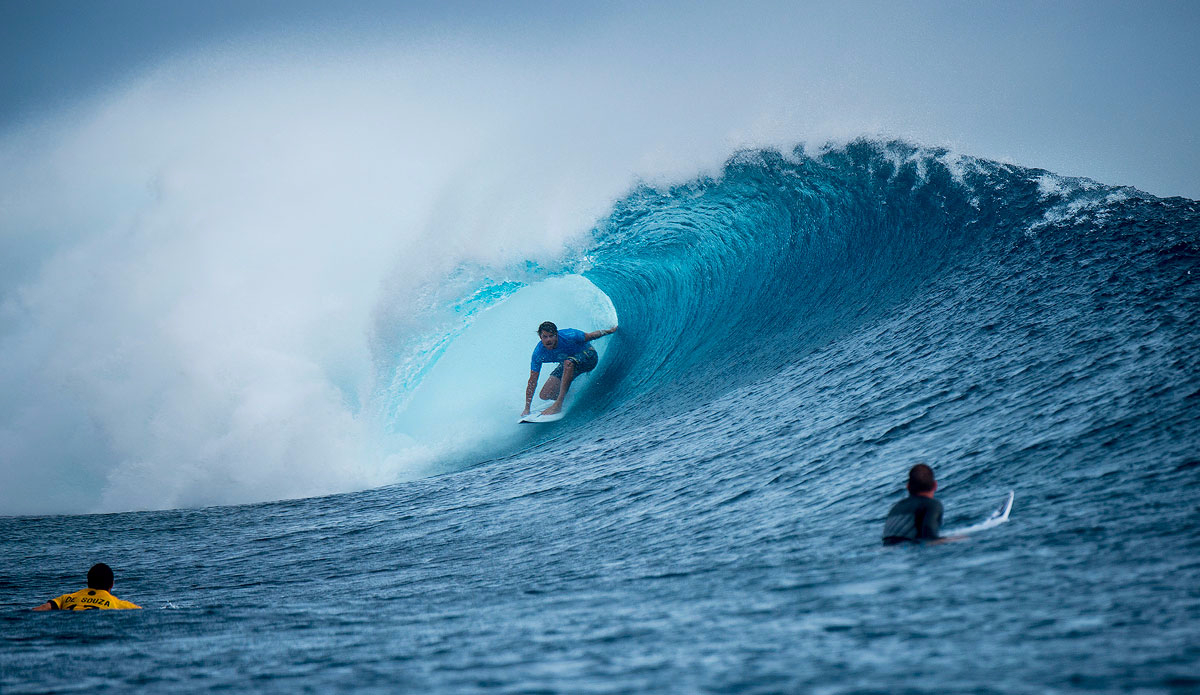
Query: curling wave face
{"points": [[734, 277], [718, 284]]}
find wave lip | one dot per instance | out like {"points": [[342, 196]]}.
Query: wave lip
{"points": [[729, 277]]}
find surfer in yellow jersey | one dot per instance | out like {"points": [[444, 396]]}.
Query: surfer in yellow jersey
{"points": [[100, 582]]}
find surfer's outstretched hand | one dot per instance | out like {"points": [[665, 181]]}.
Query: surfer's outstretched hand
{"points": [[949, 539]]}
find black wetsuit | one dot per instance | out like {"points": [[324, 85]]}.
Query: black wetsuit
{"points": [[913, 519]]}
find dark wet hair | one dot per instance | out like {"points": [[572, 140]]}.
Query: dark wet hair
{"points": [[548, 327], [100, 576], [920, 479]]}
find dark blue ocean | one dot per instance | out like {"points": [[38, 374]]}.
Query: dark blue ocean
{"points": [[795, 333]]}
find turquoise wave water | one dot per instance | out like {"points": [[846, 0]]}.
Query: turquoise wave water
{"points": [[795, 333]]}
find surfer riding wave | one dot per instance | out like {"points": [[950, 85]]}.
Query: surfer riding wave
{"points": [[572, 349]]}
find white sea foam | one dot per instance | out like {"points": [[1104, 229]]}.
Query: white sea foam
{"points": [[1078, 200], [1049, 185], [214, 271]]}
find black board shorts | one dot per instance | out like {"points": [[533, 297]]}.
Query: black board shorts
{"points": [[585, 362]]}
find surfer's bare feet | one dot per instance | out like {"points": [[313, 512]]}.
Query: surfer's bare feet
{"points": [[552, 409]]}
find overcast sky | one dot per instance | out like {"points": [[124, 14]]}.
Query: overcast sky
{"points": [[1105, 90]]}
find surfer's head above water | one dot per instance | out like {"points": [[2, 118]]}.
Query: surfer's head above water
{"points": [[100, 576], [548, 333], [920, 480]]}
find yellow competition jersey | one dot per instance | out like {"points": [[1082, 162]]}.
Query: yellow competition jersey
{"points": [[84, 599]]}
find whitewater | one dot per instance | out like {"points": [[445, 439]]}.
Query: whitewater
{"points": [[290, 427]]}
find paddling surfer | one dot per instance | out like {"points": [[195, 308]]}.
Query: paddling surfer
{"points": [[918, 517], [96, 596], [573, 351]]}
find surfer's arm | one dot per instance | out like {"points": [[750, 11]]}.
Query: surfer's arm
{"points": [[599, 334], [529, 389], [47, 606]]}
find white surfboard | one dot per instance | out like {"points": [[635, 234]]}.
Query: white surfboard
{"points": [[995, 519], [538, 417]]}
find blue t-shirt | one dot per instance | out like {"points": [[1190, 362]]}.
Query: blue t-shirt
{"points": [[571, 342]]}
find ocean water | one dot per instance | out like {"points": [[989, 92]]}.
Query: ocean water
{"points": [[795, 332]]}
